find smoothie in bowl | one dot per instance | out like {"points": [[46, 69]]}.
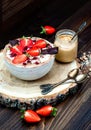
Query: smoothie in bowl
{"points": [[29, 58]]}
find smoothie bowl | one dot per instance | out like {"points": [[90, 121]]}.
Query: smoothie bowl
{"points": [[29, 58]]}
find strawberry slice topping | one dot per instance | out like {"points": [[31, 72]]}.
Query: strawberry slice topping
{"points": [[25, 42], [33, 51], [25, 47], [16, 50], [40, 43], [19, 59]]}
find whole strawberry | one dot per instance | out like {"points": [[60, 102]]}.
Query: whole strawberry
{"points": [[47, 111], [47, 30]]}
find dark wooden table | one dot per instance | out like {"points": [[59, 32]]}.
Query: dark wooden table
{"points": [[75, 112]]}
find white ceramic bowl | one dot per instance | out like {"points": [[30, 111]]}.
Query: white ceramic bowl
{"points": [[29, 72]]}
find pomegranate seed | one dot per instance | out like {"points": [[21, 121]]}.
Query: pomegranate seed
{"points": [[49, 46], [34, 58], [28, 61], [24, 63], [36, 62], [12, 55]]}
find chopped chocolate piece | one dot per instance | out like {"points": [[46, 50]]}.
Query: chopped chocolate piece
{"points": [[13, 42]]}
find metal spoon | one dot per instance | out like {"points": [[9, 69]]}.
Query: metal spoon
{"points": [[80, 78], [46, 88], [79, 30]]}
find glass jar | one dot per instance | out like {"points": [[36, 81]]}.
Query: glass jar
{"points": [[67, 48]]}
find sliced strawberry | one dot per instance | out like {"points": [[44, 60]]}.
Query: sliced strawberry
{"points": [[40, 43], [19, 59], [29, 43], [16, 50], [31, 116], [26, 42], [34, 51]]}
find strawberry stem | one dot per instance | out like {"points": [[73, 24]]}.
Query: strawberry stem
{"points": [[27, 37], [23, 37], [22, 117], [43, 30], [8, 48], [28, 55], [22, 110], [31, 36], [54, 111]]}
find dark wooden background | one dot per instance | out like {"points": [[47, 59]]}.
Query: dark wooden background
{"points": [[27, 19], [75, 112]]}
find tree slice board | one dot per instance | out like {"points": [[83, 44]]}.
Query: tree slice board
{"points": [[16, 93]]}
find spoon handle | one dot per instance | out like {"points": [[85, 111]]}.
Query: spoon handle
{"points": [[79, 29], [61, 82], [49, 87], [46, 88]]}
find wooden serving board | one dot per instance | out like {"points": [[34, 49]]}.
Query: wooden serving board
{"points": [[16, 93]]}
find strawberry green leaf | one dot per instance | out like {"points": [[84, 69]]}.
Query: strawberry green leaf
{"points": [[43, 30], [54, 111]]}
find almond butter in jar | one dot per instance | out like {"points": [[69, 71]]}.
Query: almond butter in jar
{"points": [[67, 48]]}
